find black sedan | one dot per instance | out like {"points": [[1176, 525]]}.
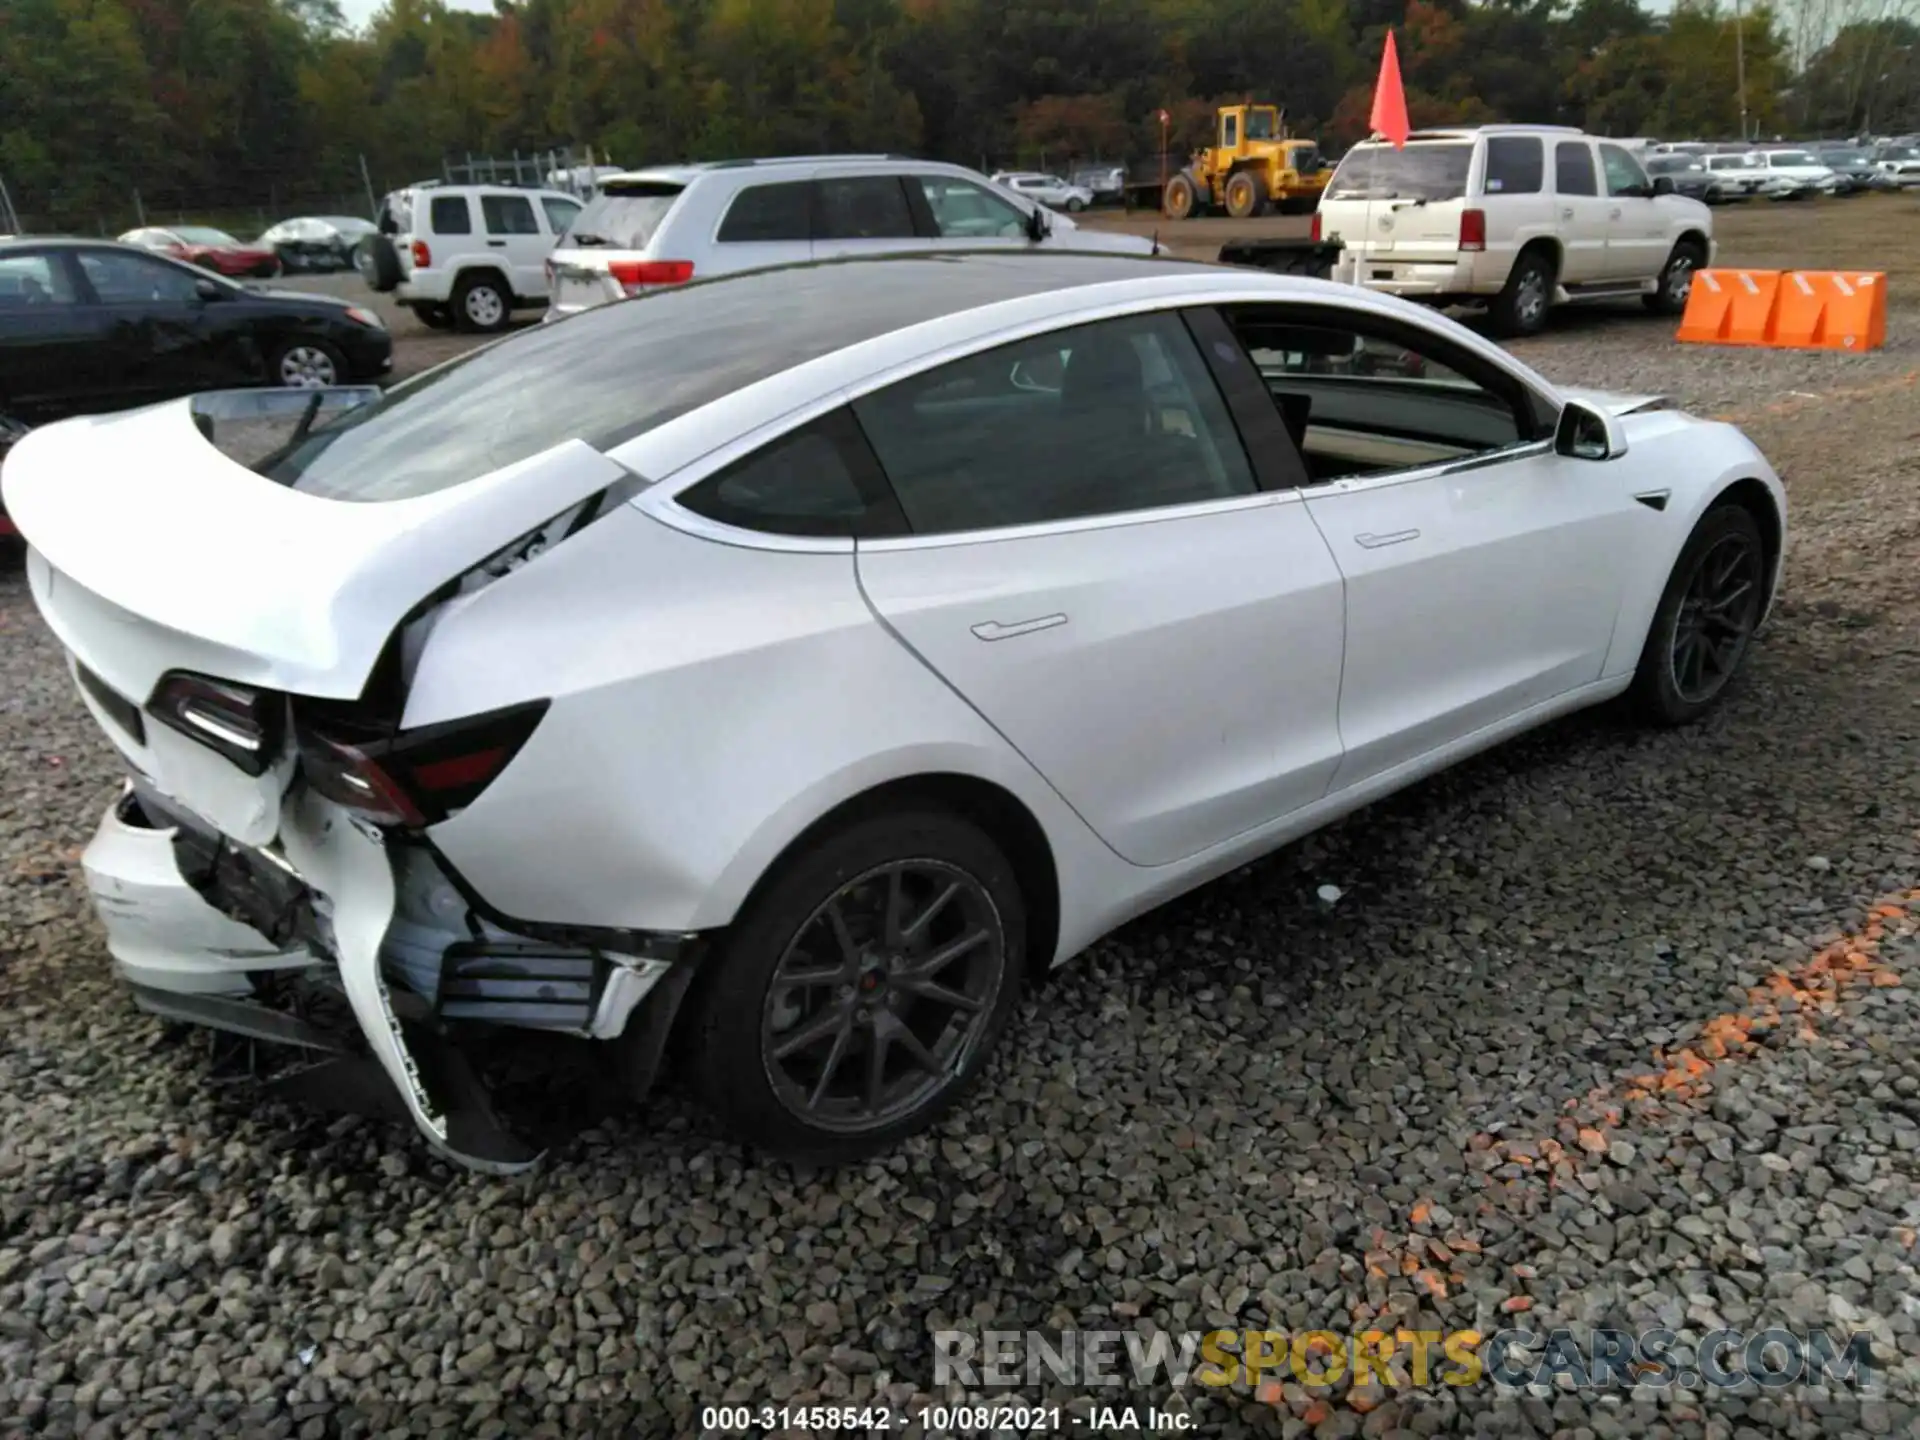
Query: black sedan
{"points": [[1688, 173], [91, 326]]}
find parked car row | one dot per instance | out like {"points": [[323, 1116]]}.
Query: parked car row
{"points": [[1727, 172], [95, 324]]}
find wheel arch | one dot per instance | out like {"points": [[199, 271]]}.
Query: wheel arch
{"points": [[1752, 495], [1692, 235], [997, 811], [1544, 245]]}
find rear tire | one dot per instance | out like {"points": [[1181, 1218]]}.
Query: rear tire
{"points": [[1522, 304], [1181, 198], [482, 303], [1076, 205], [1705, 622], [785, 1062], [1676, 279]]}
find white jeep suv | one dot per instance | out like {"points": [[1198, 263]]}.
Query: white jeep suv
{"points": [[671, 224], [1515, 218], [466, 255]]}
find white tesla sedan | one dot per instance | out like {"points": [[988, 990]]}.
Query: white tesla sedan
{"points": [[792, 665]]}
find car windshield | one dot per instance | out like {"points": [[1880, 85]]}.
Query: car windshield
{"points": [[1793, 157], [1845, 157], [624, 214], [1425, 170], [1901, 152], [203, 235], [1673, 165], [1734, 162]]}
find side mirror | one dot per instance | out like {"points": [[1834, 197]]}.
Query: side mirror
{"points": [[1663, 185], [1583, 433], [1038, 226], [209, 290]]}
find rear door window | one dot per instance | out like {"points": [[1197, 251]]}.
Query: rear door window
{"points": [[625, 214], [863, 207], [450, 215], [1573, 172], [508, 215], [1425, 170], [1516, 165], [770, 212]]}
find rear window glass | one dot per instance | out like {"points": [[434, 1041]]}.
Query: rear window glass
{"points": [[616, 371], [1516, 165], [624, 214], [1430, 170]]}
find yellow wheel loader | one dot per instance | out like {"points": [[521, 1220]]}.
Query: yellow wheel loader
{"points": [[1254, 164]]}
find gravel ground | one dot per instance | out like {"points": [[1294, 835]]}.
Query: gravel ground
{"points": [[1606, 1028]]}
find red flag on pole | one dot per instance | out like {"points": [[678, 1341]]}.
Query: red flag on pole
{"points": [[1389, 117]]}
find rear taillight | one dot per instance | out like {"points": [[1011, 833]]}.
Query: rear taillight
{"points": [[1313, 233], [422, 256], [636, 275], [242, 724], [1473, 229], [414, 777]]}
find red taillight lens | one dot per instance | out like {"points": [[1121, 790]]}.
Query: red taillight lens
{"points": [[242, 724], [422, 256], [415, 777], [636, 275], [1473, 229], [1313, 234]]}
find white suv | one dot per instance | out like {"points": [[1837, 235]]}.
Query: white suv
{"points": [[1516, 218], [466, 255], [674, 223]]}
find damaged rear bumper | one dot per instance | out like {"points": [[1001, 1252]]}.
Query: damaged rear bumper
{"points": [[212, 932]]}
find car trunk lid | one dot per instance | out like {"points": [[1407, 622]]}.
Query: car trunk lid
{"points": [[154, 553]]}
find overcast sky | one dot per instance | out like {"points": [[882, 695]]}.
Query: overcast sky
{"points": [[358, 12]]}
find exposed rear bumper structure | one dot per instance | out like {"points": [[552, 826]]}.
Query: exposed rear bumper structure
{"points": [[210, 932]]}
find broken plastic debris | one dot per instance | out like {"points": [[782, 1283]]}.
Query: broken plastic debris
{"points": [[307, 1352], [1329, 893]]}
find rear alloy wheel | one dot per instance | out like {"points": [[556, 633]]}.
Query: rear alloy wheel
{"points": [[1076, 205], [862, 989], [308, 364], [1521, 306], [482, 303], [1706, 618], [1676, 280]]}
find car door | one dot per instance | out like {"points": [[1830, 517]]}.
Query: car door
{"points": [[1636, 222], [53, 352], [513, 231], [1094, 565], [161, 340], [1581, 212], [858, 213], [1482, 570]]}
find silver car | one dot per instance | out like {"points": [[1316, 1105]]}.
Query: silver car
{"points": [[671, 224]]}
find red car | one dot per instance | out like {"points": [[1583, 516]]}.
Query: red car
{"points": [[208, 248]]}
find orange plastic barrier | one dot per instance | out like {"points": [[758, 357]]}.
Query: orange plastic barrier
{"points": [[1832, 310], [1731, 307]]}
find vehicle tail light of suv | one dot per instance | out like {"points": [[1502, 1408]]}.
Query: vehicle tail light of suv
{"points": [[1473, 229], [1313, 233], [637, 275], [422, 256]]}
